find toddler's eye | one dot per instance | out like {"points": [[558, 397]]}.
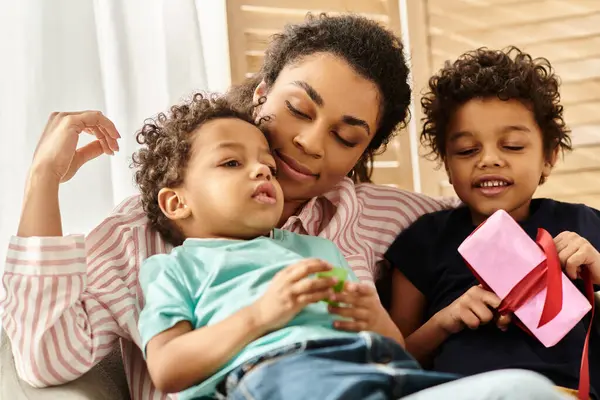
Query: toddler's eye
{"points": [[231, 164]]}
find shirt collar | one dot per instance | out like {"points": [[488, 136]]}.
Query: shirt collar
{"points": [[313, 213]]}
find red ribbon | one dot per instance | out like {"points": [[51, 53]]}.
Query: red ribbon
{"points": [[548, 274]]}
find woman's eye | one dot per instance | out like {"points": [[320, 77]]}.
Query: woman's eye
{"points": [[273, 171], [231, 164], [343, 141], [295, 111]]}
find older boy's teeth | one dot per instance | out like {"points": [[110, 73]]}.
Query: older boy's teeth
{"points": [[493, 183]]}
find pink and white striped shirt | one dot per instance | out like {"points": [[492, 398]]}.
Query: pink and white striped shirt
{"points": [[70, 299]]}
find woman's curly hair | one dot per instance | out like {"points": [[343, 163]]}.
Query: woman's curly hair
{"points": [[373, 51], [505, 74], [166, 149]]}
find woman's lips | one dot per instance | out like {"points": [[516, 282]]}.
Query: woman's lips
{"points": [[294, 169]]}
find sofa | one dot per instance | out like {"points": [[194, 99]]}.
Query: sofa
{"points": [[106, 381]]}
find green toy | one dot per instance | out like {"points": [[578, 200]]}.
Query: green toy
{"points": [[340, 274]]}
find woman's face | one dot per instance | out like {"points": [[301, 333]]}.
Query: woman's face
{"points": [[324, 115]]}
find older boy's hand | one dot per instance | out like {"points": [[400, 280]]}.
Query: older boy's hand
{"points": [[574, 252], [472, 309], [363, 310]]}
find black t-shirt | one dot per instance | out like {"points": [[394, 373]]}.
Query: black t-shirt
{"points": [[426, 253]]}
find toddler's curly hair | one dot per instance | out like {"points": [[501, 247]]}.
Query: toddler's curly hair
{"points": [[505, 74], [166, 149]]}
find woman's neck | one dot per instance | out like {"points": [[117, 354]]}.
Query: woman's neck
{"points": [[290, 208]]}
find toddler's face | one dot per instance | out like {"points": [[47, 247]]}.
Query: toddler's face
{"points": [[230, 186], [495, 157]]}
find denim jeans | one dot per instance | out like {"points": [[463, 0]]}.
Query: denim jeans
{"points": [[369, 367], [366, 367]]}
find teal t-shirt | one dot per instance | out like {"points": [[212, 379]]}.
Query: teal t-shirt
{"points": [[204, 281]]}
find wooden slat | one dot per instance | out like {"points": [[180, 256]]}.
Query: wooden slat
{"points": [[519, 35], [315, 6], [582, 114], [583, 158], [575, 184], [508, 16], [273, 20], [386, 176], [255, 41], [587, 68], [580, 91], [459, 5]]}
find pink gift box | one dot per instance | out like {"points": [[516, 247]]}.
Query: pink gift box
{"points": [[502, 254]]}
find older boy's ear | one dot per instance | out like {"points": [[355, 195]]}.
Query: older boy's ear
{"points": [[550, 162], [172, 204], [259, 92], [448, 172]]}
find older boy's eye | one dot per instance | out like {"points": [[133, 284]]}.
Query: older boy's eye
{"points": [[514, 148], [231, 164], [466, 152]]}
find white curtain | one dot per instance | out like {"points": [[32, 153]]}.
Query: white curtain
{"points": [[128, 58]]}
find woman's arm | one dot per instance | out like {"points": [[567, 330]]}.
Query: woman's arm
{"points": [[68, 299], [180, 357], [407, 307]]}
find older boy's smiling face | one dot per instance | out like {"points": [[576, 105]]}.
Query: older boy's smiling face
{"points": [[495, 157]]}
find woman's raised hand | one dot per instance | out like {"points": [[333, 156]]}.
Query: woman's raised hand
{"points": [[57, 154]]}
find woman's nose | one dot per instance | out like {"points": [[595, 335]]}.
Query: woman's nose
{"points": [[311, 142]]}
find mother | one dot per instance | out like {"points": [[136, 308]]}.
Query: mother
{"points": [[338, 88]]}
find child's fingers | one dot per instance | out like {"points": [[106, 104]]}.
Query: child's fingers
{"points": [[503, 321], [308, 298], [312, 285], [304, 268], [359, 288], [469, 319], [482, 312], [350, 326], [350, 298], [359, 314], [477, 294]]}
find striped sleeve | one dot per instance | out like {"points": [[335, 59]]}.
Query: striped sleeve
{"points": [[68, 299], [387, 211]]}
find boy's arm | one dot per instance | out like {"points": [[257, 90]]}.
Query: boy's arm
{"points": [[181, 357], [407, 307]]}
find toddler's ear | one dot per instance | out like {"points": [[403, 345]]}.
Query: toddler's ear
{"points": [[173, 205]]}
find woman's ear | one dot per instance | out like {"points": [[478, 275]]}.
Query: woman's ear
{"points": [[173, 205], [259, 92]]}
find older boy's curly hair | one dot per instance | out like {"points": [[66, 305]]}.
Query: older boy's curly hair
{"points": [[167, 141], [484, 73]]}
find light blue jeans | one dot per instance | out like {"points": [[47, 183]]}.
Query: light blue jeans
{"points": [[369, 367]]}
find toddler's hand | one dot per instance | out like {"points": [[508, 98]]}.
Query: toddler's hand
{"points": [[290, 291], [362, 308], [472, 309]]}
